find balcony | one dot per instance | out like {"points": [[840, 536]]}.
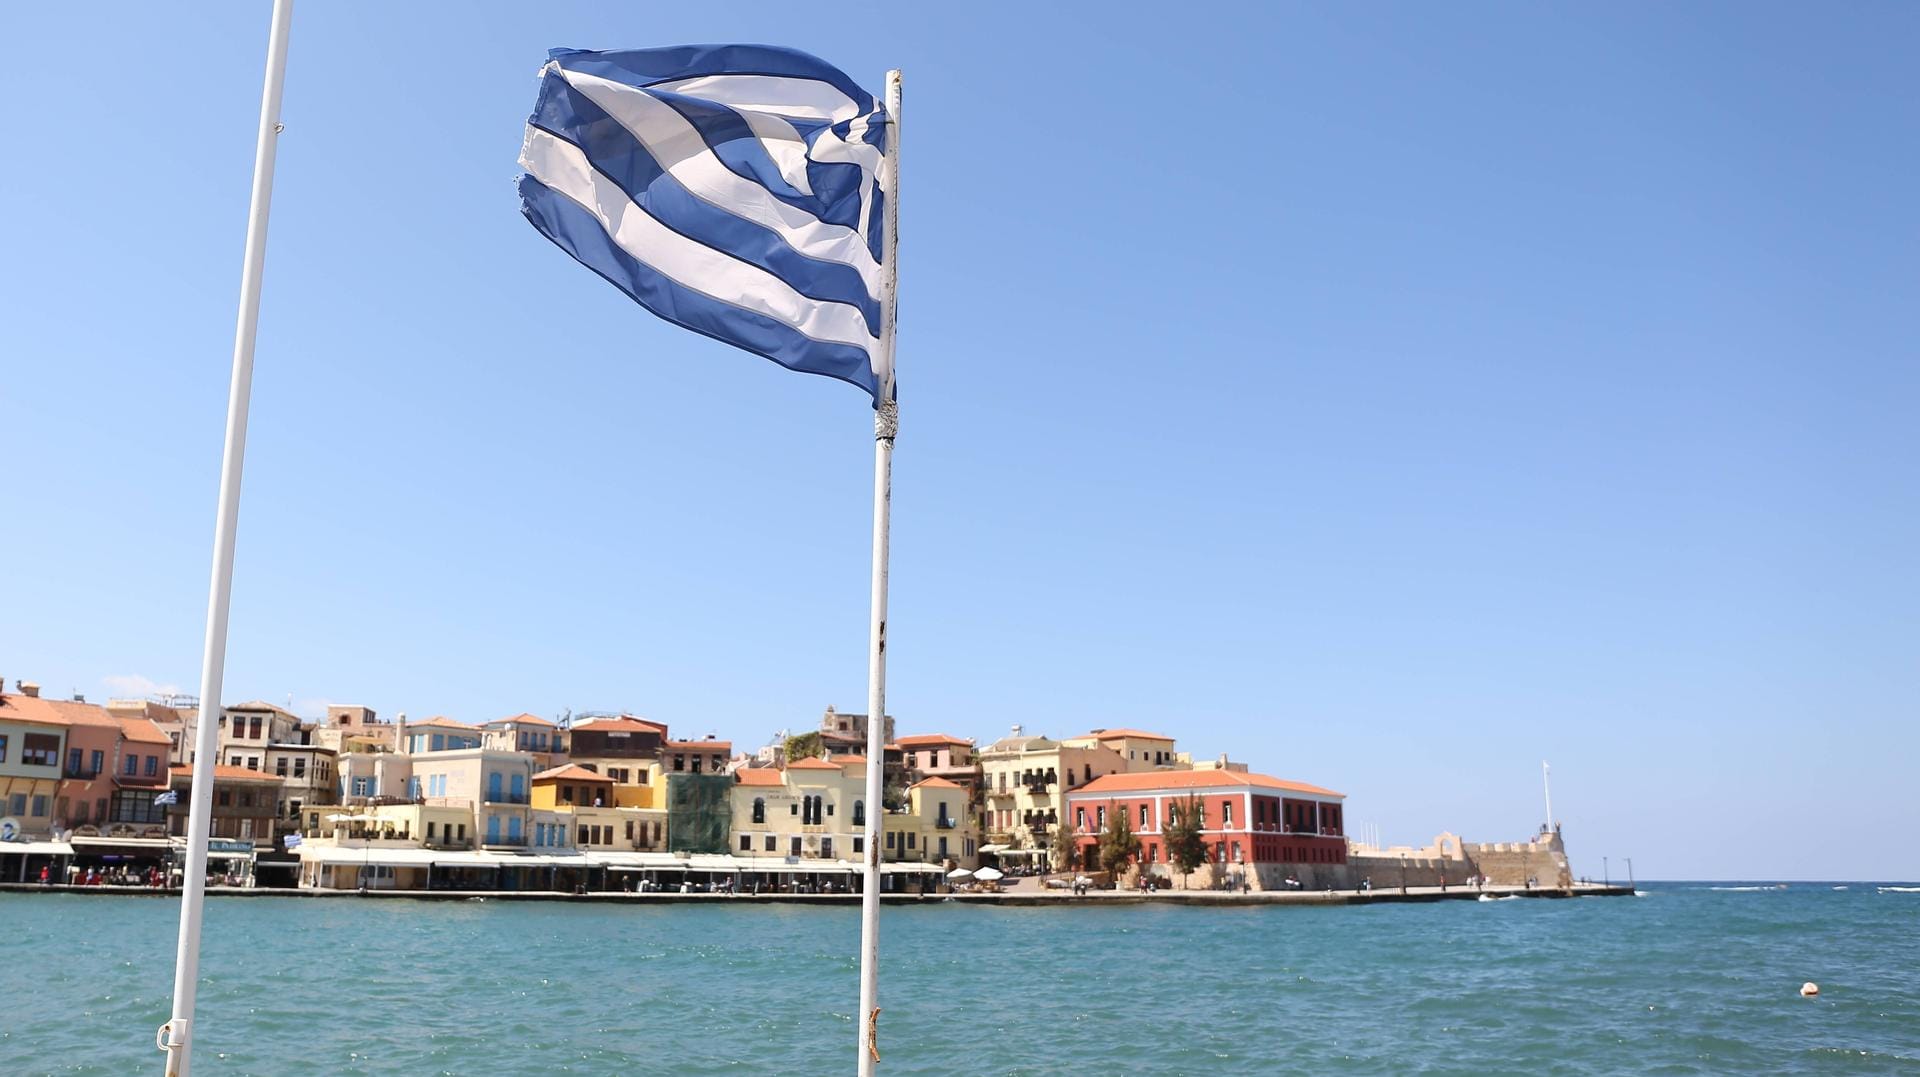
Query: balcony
{"points": [[1038, 789], [944, 824], [81, 774], [496, 797]]}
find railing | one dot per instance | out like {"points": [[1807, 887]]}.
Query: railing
{"points": [[1038, 789], [84, 774], [503, 798], [944, 824]]}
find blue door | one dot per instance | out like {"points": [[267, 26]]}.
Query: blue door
{"points": [[519, 788], [513, 830], [493, 786], [493, 830]]}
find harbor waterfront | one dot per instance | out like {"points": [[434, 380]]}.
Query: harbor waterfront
{"points": [[1691, 978]]}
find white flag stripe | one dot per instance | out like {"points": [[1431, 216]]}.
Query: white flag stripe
{"points": [[784, 145], [679, 149], [806, 99], [561, 166]]}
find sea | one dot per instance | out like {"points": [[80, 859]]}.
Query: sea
{"points": [[1684, 978]]}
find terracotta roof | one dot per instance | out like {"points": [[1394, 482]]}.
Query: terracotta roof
{"points": [[572, 772], [758, 776], [523, 719], [143, 731], [443, 722], [699, 745], [627, 723], [936, 783], [223, 772], [1194, 779], [814, 764], [931, 738], [1134, 734], [54, 711]]}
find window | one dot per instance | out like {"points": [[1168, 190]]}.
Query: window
{"points": [[746, 843], [514, 832], [859, 813], [3, 747], [1143, 816], [430, 828], [1226, 814], [40, 750], [826, 846], [493, 830], [795, 846], [280, 766], [17, 804], [40, 804], [253, 728], [859, 844], [769, 843], [1080, 818], [224, 796], [793, 809], [911, 839], [253, 762], [1100, 816], [74, 755], [759, 809], [519, 788]]}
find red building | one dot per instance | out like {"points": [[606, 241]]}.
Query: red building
{"points": [[1258, 827]]}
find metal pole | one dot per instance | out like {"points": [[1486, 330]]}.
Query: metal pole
{"points": [[1606, 873], [176, 1036], [1546, 782], [1630, 884], [886, 423]]}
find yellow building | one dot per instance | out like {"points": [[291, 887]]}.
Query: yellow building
{"points": [[587, 806], [935, 826]]}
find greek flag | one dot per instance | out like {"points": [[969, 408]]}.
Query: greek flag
{"points": [[731, 189], [171, 796]]}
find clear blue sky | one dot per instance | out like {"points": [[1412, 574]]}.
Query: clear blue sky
{"points": [[1391, 398]]}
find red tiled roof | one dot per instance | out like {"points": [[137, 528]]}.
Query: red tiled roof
{"points": [[1133, 734], [932, 738], [572, 772], [757, 776], [224, 773], [54, 711], [936, 783], [523, 719], [698, 745], [1195, 779], [626, 723], [444, 722], [814, 764], [143, 731]]}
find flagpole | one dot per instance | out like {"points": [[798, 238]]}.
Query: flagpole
{"points": [[886, 424], [176, 1036]]}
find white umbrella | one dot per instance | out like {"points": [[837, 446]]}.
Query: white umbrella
{"points": [[960, 873], [989, 874]]}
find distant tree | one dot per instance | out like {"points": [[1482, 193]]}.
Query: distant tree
{"points": [[803, 746], [1066, 846], [1118, 843], [1184, 837]]}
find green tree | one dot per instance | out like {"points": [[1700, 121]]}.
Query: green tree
{"points": [[1118, 843], [1186, 844], [803, 746], [1066, 842]]}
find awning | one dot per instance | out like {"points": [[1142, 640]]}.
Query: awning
{"points": [[420, 858], [87, 845], [36, 848], [995, 848]]}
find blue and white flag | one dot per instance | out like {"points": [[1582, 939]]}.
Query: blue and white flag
{"points": [[731, 189], [171, 796]]}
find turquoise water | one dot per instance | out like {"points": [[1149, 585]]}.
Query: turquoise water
{"points": [[1685, 980]]}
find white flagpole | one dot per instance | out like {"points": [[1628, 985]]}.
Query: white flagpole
{"points": [[886, 423], [176, 1036]]}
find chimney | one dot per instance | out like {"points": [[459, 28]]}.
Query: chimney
{"points": [[28, 688]]}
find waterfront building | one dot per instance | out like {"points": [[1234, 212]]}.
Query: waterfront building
{"points": [[583, 803], [934, 826], [437, 734], [307, 775], [33, 740], [1023, 779], [245, 803], [529, 733], [939, 755], [1140, 749], [353, 728], [247, 728], [168, 715], [1259, 830], [704, 756], [498, 784], [626, 749]]}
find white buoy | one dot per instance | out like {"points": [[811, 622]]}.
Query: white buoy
{"points": [[1809, 989]]}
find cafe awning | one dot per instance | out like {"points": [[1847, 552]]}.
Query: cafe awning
{"points": [[36, 848]]}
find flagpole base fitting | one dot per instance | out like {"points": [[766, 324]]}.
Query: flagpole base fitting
{"points": [[172, 1034]]}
